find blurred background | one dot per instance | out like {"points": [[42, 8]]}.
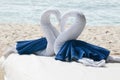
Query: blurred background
{"points": [[97, 12]]}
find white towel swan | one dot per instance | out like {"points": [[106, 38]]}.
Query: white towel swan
{"points": [[73, 32], [50, 31]]}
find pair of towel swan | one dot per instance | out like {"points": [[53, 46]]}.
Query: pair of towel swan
{"points": [[55, 38], [63, 43]]}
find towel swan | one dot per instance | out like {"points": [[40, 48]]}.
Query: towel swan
{"points": [[42, 46], [67, 48], [50, 31], [45, 45], [70, 34], [73, 32]]}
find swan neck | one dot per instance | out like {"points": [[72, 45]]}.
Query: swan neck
{"points": [[45, 18], [79, 20]]}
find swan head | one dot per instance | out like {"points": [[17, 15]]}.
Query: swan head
{"points": [[45, 17], [79, 18]]}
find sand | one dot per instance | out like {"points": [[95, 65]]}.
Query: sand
{"points": [[104, 36]]}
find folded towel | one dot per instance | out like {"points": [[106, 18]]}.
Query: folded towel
{"points": [[31, 46], [74, 50]]}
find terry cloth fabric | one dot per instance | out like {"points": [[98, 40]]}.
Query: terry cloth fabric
{"points": [[77, 49], [31, 46]]}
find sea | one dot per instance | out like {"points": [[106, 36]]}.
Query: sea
{"points": [[97, 12]]}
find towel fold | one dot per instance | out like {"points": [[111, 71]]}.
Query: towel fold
{"points": [[74, 50], [31, 46]]}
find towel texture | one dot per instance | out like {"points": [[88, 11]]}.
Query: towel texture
{"points": [[31, 46], [77, 49]]}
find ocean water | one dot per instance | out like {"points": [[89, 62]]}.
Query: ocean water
{"points": [[97, 12]]}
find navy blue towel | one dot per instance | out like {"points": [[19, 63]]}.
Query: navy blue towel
{"points": [[77, 49], [31, 46]]}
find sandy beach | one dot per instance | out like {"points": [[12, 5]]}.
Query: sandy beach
{"points": [[104, 36]]}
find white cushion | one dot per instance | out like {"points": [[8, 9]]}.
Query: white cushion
{"points": [[31, 67]]}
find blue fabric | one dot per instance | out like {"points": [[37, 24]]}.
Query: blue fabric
{"points": [[31, 46], [74, 50]]}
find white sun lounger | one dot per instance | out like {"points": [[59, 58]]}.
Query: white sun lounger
{"points": [[31, 67]]}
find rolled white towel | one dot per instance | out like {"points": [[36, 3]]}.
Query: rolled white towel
{"points": [[90, 62]]}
